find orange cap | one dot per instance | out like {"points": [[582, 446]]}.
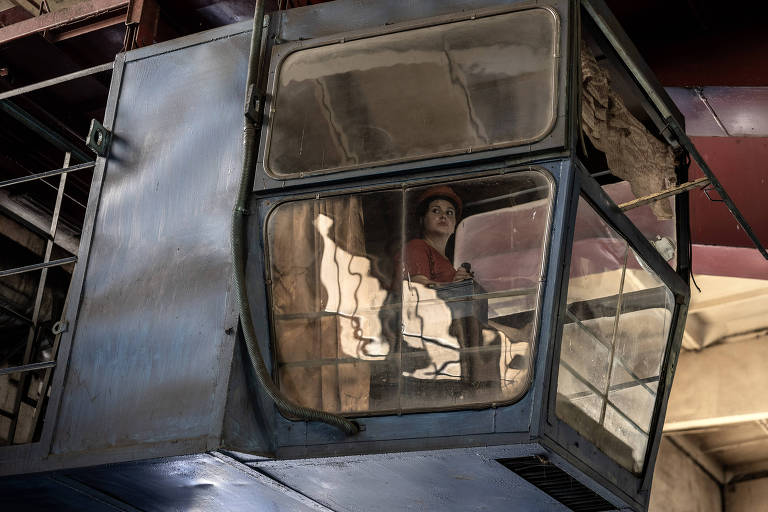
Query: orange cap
{"points": [[444, 192]]}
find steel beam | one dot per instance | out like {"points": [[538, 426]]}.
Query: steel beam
{"points": [[28, 367], [57, 20], [38, 266], [705, 460], [38, 222], [142, 21], [45, 133], [46, 174], [86, 28]]}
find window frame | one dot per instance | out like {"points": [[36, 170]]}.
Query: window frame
{"points": [[465, 175], [556, 428], [554, 137]]}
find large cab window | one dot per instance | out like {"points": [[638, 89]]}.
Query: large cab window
{"points": [[458, 87], [409, 299]]}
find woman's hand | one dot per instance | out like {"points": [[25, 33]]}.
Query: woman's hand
{"points": [[462, 274]]}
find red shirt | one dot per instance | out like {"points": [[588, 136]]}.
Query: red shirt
{"points": [[421, 259]]}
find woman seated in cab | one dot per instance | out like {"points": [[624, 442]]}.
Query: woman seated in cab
{"points": [[438, 210]]}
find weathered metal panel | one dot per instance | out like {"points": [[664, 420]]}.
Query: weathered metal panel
{"points": [[153, 340], [207, 482], [337, 17], [698, 119], [742, 110], [446, 480]]}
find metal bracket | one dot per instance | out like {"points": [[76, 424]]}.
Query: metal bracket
{"points": [[253, 105], [60, 327], [98, 138]]}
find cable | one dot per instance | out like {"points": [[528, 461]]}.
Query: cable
{"points": [[239, 213]]}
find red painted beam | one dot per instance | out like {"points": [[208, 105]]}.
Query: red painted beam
{"points": [[57, 20], [741, 165], [13, 15], [714, 260]]}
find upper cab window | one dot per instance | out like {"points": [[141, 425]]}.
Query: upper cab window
{"points": [[437, 90], [409, 299]]}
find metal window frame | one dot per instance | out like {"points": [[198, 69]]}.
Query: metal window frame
{"points": [[497, 425], [369, 21], [561, 436], [269, 208], [283, 52]]}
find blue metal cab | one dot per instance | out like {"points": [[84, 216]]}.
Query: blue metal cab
{"points": [[463, 253]]}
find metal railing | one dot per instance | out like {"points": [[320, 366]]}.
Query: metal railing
{"points": [[31, 371]]}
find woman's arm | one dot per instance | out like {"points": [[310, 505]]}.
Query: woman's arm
{"points": [[423, 280], [461, 275]]}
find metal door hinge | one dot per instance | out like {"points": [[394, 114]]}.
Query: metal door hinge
{"points": [[253, 106]]}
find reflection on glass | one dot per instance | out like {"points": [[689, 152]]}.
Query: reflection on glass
{"points": [[661, 232], [379, 307], [443, 89], [617, 321]]}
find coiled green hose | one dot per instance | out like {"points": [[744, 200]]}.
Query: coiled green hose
{"points": [[287, 407]]}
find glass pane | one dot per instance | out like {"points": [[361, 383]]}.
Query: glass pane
{"points": [[646, 312], [615, 332], [660, 231], [444, 89], [470, 289], [335, 304], [597, 261], [427, 315]]}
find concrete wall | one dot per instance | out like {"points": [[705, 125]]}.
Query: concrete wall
{"points": [[680, 485], [750, 496]]}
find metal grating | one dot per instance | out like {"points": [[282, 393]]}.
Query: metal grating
{"points": [[557, 483]]}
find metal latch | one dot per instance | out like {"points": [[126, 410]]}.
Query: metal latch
{"points": [[98, 138], [60, 327], [253, 106]]}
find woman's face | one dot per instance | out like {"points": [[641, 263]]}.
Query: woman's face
{"points": [[440, 218]]}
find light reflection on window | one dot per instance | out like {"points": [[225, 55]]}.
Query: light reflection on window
{"points": [[615, 331], [437, 90], [378, 307]]}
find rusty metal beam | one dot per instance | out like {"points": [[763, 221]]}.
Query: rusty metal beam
{"points": [[58, 20], [142, 20], [13, 15], [88, 27]]}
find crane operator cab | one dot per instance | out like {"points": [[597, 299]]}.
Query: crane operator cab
{"points": [[461, 256], [437, 235]]}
